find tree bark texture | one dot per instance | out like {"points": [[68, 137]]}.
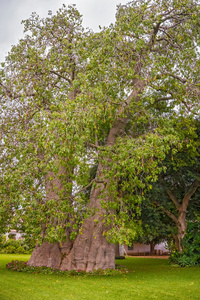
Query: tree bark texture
{"points": [[152, 248], [90, 250], [181, 207], [182, 226]]}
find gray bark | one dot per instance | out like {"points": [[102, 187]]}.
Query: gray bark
{"points": [[90, 249], [48, 255]]}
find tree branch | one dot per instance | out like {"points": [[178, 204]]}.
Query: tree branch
{"points": [[164, 98], [171, 195], [15, 96], [168, 213], [177, 77], [153, 37], [85, 188], [100, 147], [189, 194], [61, 76]]}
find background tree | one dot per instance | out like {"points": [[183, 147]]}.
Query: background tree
{"points": [[155, 225], [181, 180]]}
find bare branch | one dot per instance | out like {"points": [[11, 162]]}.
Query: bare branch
{"points": [[61, 76], [15, 96], [153, 37], [189, 110], [85, 188], [177, 77], [164, 98]]}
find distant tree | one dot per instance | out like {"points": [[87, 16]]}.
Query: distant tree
{"points": [[180, 182], [155, 226]]}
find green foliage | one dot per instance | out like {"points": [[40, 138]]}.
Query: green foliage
{"points": [[63, 92], [11, 246], [155, 225], [183, 260], [191, 247], [21, 266], [2, 240]]}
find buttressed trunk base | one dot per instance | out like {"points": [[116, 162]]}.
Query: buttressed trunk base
{"points": [[89, 251]]}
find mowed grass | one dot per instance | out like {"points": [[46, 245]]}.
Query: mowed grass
{"points": [[148, 279]]}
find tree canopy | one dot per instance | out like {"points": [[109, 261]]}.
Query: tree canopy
{"points": [[75, 102]]}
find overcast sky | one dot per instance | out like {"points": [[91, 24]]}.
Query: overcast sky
{"points": [[12, 12]]}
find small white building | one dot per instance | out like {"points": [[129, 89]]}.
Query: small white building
{"points": [[143, 249], [15, 234]]}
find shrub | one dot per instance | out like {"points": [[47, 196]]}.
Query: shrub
{"points": [[2, 241], [21, 266], [191, 247], [12, 246], [9, 250]]}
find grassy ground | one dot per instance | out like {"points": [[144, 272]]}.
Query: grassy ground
{"points": [[149, 279]]}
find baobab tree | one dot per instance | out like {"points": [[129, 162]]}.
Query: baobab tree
{"points": [[73, 99]]}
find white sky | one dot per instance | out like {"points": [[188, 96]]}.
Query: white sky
{"points": [[12, 12]]}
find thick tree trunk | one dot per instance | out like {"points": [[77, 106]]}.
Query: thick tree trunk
{"points": [[180, 220], [117, 254], [90, 249], [176, 241], [48, 255], [182, 226], [51, 254], [152, 248]]}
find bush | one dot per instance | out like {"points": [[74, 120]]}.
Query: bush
{"points": [[21, 250], [2, 241], [21, 266], [186, 260], [12, 246], [175, 255], [191, 247], [9, 250]]}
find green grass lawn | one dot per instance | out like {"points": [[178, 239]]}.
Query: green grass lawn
{"points": [[148, 279]]}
